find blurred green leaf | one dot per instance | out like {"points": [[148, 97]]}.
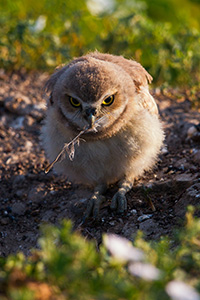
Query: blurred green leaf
{"points": [[43, 34], [69, 267]]}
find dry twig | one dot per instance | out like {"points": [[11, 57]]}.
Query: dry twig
{"points": [[70, 147]]}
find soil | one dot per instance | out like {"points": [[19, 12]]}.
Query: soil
{"points": [[30, 198]]}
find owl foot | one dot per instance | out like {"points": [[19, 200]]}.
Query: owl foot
{"points": [[119, 202], [94, 202], [93, 206]]}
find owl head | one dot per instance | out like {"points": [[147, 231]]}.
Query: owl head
{"points": [[96, 89]]}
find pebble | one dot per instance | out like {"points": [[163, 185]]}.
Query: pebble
{"points": [[28, 146], [133, 211], [191, 131], [18, 123], [196, 156], [37, 193], [194, 133], [181, 164], [19, 208], [18, 179], [19, 104], [190, 197], [164, 150], [48, 215], [149, 226], [12, 159], [144, 217], [4, 221], [112, 223], [185, 178], [38, 115], [29, 121], [20, 193]]}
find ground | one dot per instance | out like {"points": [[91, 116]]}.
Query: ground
{"points": [[30, 198]]}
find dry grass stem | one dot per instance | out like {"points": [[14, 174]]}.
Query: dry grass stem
{"points": [[70, 147]]}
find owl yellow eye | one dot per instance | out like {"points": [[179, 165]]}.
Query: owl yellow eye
{"points": [[74, 102], [108, 101]]}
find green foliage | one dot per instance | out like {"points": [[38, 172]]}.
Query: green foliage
{"points": [[69, 267], [163, 35]]}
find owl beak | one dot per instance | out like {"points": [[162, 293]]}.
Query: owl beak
{"points": [[91, 120], [90, 113]]}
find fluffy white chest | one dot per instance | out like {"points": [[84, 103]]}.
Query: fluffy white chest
{"points": [[99, 161], [126, 154]]}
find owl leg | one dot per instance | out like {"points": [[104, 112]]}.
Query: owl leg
{"points": [[119, 201], [95, 201]]}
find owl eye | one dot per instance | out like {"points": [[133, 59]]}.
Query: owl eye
{"points": [[108, 101], [74, 102]]}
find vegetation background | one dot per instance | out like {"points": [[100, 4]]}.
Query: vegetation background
{"points": [[164, 36]]}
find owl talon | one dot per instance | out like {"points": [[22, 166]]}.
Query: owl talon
{"points": [[119, 203], [93, 206]]}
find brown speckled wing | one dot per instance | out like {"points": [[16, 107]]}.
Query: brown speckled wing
{"points": [[147, 101]]}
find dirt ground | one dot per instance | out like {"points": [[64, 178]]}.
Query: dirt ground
{"points": [[30, 198]]}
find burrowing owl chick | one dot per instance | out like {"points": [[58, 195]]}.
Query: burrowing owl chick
{"points": [[113, 93]]}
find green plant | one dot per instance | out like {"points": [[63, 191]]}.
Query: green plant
{"points": [[69, 267], [43, 34]]}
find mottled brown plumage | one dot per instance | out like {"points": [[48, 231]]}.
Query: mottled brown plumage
{"points": [[128, 137]]}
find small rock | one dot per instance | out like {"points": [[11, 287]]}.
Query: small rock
{"points": [[191, 131], [4, 221], [29, 121], [48, 215], [133, 211], [28, 146], [37, 114], [20, 193], [181, 164], [164, 150], [40, 106], [196, 156], [19, 104], [18, 123], [112, 223], [144, 217], [37, 193], [185, 178], [194, 133], [19, 208], [18, 180], [149, 227], [12, 159], [190, 197]]}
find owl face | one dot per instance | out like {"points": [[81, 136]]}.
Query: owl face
{"points": [[91, 92]]}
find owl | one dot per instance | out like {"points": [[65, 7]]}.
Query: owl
{"points": [[109, 96]]}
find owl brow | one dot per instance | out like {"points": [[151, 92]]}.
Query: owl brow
{"points": [[109, 94], [67, 94], [73, 96]]}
